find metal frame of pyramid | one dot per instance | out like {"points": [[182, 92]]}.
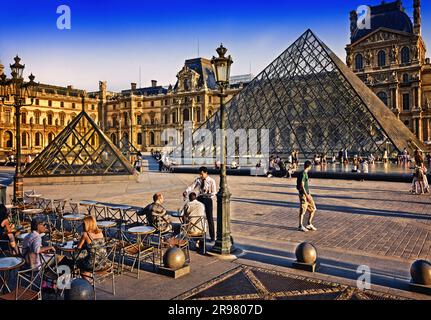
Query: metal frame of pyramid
{"points": [[127, 148], [81, 149], [311, 101]]}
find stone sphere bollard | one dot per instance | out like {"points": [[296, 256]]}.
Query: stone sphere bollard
{"points": [[420, 271], [80, 289], [306, 253], [174, 258]]}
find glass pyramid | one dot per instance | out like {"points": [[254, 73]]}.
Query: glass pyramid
{"points": [[312, 102], [80, 149]]}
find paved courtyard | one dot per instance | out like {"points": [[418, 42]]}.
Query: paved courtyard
{"points": [[378, 224]]}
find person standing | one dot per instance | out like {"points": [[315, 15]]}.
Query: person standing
{"points": [[306, 200], [206, 191]]}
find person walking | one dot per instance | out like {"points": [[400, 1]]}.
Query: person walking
{"points": [[306, 200], [206, 191]]}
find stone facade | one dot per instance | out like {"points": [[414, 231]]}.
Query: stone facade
{"points": [[140, 113], [391, 59], [50, 113]]}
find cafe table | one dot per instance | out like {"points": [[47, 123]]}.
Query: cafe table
{"points": [[8, 264]]}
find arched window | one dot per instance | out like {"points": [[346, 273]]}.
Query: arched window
{"points": [[359, 62], [139, 138], [381, 58], [186, 115], [50, 119], [62, 119], [152, 139], [166, 118], [405, 55], [383, 96], [405, 77], [38, 139], [139, 119], [51, 137], [174, 117], [8, 139]]}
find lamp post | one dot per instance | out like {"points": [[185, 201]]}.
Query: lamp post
{"points": [[223, 244], [19, 90]]}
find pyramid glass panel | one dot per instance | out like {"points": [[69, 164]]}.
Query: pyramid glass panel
{"points": [[80, 149], [310, 101]]}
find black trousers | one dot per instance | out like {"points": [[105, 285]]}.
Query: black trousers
{"points": [[208, 203]]}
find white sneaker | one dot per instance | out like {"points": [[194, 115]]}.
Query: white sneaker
{"points": [[302, 228], [311, 227]]}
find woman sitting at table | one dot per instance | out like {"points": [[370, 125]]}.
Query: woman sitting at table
{"points": [[92, 246], [6, 232]]}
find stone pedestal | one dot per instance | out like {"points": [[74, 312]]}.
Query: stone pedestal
{"points": [[310, 267], [174, 273]]}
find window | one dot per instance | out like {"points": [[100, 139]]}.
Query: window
{"points": [[23, 118], [62, 104], [92, 107], [37, 101], [37, 118], [7, 116], [38, 139], [198, 99], [139, 104], [359, 62], [406, 101], [49, 103], [8, 139], [61, 119], [174, 117], [152, 103], [405, 78], [139, 119], [198, 114], [152, 139], [139, 138], [24, 139], [152, 120], [405, 55], [114, 106], [73, 105], [381, 58], [50, 119], [210, 98], [166, 118], [186, 115], [166, 102], [383, 96], [50, 137]]}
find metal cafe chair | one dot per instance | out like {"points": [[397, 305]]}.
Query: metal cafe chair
{"points": [[73, 207], [160, 238], [51, 274], [100, 213], [195, 229], [141, 250], [105, 258], [28, 285], [4, 248]]}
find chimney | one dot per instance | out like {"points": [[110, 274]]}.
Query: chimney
{"points": [[1, 68], [154, 83], [133, 85], [353, 22], [417, 17]]}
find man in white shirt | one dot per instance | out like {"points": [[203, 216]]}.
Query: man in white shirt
{"points": [[193, 211], [206, 191]]}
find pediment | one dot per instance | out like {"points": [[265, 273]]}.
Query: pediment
{"points": [[382, 35]]}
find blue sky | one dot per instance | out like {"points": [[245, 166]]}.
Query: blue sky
{"points": [[109, 40]]}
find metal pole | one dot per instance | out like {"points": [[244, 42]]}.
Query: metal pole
{"points": [[223, 244], [17, 184]]}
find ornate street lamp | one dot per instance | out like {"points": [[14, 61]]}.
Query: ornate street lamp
{"points": [[223, 244], [19, 90]]}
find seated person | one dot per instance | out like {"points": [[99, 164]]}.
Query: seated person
{"points": [[93, 250], [157, 215], [6, 232], [32, 244], [193, 211]]}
